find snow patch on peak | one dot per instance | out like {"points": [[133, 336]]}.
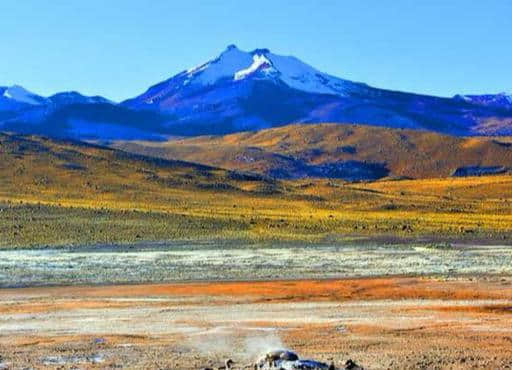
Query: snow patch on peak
{"points": [[197, 68], [302, 76], [259, 62], [225, 66], [21, 95]]}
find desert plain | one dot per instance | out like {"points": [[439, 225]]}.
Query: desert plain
{"points": [[351, 302]]}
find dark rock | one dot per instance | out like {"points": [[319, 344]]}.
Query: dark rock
{"points": [[478, 171], [351, 365]]}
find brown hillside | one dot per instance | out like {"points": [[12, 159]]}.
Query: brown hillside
{"points": [[69, 193], [406, 153], [39, 167]]}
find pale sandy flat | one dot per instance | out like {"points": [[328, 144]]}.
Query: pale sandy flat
{"points": [[379, 322]]}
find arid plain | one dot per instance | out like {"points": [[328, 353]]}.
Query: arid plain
{"points": [[111, 259], [383, 323]]}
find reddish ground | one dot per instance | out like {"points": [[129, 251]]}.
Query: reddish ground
{"points": [[380, 322], [298, 290]]}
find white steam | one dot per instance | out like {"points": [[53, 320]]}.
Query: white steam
{"points": [[223, 342], [213, 342], [257, 346]]}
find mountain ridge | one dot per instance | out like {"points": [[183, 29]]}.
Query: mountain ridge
{"points": [[236, 92], [239, 91]]}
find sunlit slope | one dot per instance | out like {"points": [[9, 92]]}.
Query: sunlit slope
{"points": [[406, 153], [48, 169], [69, 193]]}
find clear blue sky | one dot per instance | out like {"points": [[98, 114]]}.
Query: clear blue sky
{"points": [[118, 48]]}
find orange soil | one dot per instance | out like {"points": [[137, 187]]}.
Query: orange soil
{"points": [[294, 290], [41, 307], [402, 332]]}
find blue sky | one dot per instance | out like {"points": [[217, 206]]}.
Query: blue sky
{"points": [[118, 48]]}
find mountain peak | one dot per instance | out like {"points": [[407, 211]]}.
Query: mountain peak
{"points": [[237, 65], [260, 51], [74, 97], [21, 95], [224, 66], [237, 72]]}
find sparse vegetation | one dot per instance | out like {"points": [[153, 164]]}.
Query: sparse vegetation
{"points": [[440, 246], [108, 196], [290, 149]]}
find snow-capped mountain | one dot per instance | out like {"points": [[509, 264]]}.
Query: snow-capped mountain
{"points": [[73, 115], [239, 91], [16, 97], [10, 95], [242, 90], [234, 65]]}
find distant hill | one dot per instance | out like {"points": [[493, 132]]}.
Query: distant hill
{"points": [[73, 115], [67, 193], [39, 168], [353, 152]]}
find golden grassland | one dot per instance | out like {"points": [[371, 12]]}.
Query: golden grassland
{"points": [[68, 193], [407, 153]]}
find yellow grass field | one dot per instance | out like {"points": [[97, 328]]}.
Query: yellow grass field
{"points": [[66, 193]]}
